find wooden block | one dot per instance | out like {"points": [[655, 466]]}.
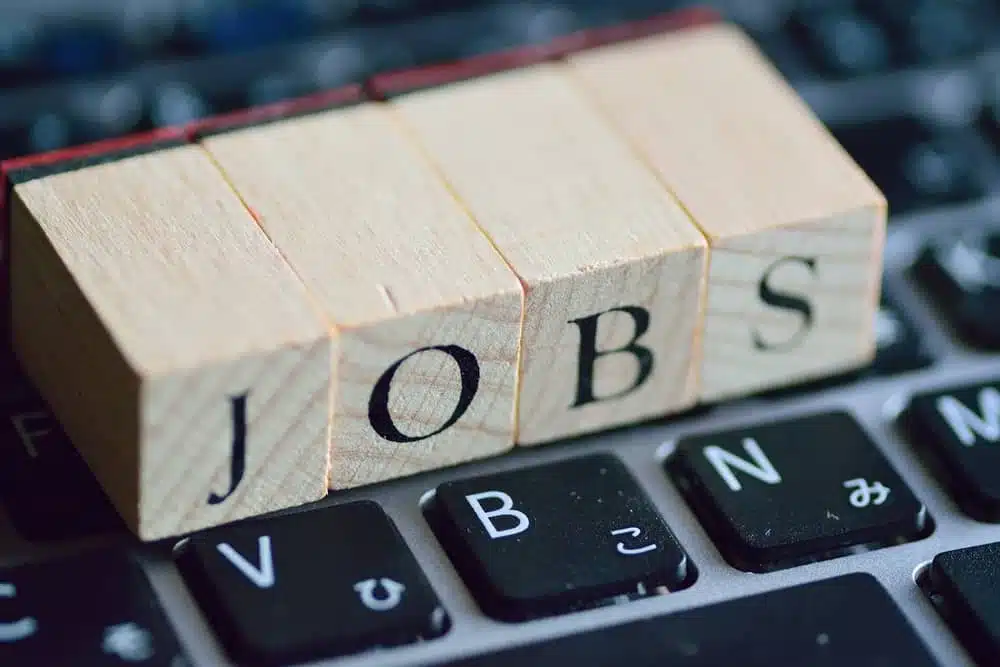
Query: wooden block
{"points": [[175, 346], [612, 267], [795, 227], [426, 315]]}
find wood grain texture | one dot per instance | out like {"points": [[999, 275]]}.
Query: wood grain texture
{"points": [[588, 229], [144, 298], [397, 266], [795, 227]]}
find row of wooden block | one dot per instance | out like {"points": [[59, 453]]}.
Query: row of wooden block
{"points": [[234, 326]]}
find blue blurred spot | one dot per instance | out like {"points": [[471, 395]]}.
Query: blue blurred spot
{"points": [[81, 51], [248, 27]]}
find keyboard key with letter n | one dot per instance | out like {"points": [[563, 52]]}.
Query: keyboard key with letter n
{"points": [[795, 228], [791, 492]]}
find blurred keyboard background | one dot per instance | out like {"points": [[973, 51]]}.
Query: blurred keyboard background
{"points": [[923, 76], [911, 88], [73, 71]]}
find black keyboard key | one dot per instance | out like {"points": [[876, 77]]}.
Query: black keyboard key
{"points": [[393, 10], [247, 26], [961, 273], [95, 610], [15, 388], [898, 349], [989, 123], [791, 492], [556, 538], [898, 345], [80, 49], [958, 430], [14, 141], [18, 47], [841, 42], [46, 488], [935, 31], [965, 587], [847, 620], [318, 583], [915, 166]]}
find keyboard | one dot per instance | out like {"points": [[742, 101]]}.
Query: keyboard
{"points": [[704, 539]]}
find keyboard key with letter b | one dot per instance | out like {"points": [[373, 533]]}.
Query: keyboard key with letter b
{"points": [[556, 538]]}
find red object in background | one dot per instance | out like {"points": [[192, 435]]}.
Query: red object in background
{"points": [[328, 99], [383, 86], [377, 87]]}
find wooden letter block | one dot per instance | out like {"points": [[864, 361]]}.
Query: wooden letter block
{"points": [[175, 346], [795, 227], [425, 314], [612, 267]]}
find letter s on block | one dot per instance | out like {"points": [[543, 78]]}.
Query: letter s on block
{"points": [[378, 402], [786, 301]]}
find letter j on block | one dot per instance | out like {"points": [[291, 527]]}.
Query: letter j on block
{"points": [[424, 314], [795, 227], [174, 345], [612, 267]]}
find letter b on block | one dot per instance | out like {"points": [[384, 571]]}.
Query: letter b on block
{"points": [[795, 227], [613, 268], [589, 355], [606, 364]]}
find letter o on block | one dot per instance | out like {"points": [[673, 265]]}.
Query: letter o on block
{"points": [[379, 413], [612, 267], [424, 314]]}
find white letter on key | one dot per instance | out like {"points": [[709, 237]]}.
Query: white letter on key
{"points": [[505, 509]]}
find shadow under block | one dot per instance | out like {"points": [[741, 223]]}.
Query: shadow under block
{"points": [[795, 227], [612, 267], [174, 345], [397, 267]]}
